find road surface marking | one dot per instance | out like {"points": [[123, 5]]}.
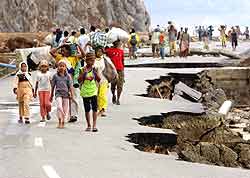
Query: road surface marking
{"points": [[50, 171], [38, 142]]}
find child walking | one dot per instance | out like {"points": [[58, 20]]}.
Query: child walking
{"points": [[89, 89], [43, 84], [24, 92], [62, 84]]}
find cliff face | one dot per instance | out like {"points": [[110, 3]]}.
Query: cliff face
{"points": [[35, 15]]}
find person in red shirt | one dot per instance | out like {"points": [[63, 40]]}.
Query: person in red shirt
{"points": [[116, 54]]}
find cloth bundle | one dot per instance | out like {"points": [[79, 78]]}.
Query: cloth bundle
{"points": [[109, 72], [117, 34], [98, 39]]}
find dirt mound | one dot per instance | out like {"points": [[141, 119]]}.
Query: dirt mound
{"points": [[11, 41], [4, 49], [203, 137], [245, 63], [19, 43]]}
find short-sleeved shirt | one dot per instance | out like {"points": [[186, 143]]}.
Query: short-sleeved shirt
{"points": [[83, 41], [117, 57], [43, 80], [155, 37], [62, 85], [162, 39], [172, 35], [234, 36]]}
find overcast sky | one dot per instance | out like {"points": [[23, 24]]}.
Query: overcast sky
{"points": [[203, 12]]}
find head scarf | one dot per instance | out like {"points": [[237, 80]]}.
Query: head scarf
{"points": [[20, 68], [26, 73]]}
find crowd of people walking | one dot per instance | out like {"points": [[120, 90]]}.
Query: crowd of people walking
{"points": [[86, 65], [82, 70], [178, 42]]}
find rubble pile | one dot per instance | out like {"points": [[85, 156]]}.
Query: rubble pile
{"points": [[165, 88], [19, 43]]}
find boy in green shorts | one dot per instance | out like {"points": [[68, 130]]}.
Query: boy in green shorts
{"points": [[87, 80]]}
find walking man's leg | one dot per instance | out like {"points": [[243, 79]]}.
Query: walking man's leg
{"points": [[120, 83], [113, 88]]}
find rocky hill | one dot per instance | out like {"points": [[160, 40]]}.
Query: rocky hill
{"points": [[36, 15]]}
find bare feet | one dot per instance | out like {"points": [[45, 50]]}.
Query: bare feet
{"points": [[60, 124]]}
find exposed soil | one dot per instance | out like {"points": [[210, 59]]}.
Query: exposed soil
{"points": [[206, 137], [11, 41]]}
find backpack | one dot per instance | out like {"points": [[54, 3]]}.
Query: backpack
{"points": [[133, 40]]}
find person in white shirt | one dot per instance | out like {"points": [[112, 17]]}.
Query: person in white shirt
{"points": [[64, 38], [155, 41], [43, 83], [91, 33], [83, 41]]}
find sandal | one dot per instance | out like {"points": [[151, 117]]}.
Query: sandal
{"points": [[103, 115], [27, 122], [48, 116], [95, 130], [20, 121], [88, 129], [118, 102]]}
